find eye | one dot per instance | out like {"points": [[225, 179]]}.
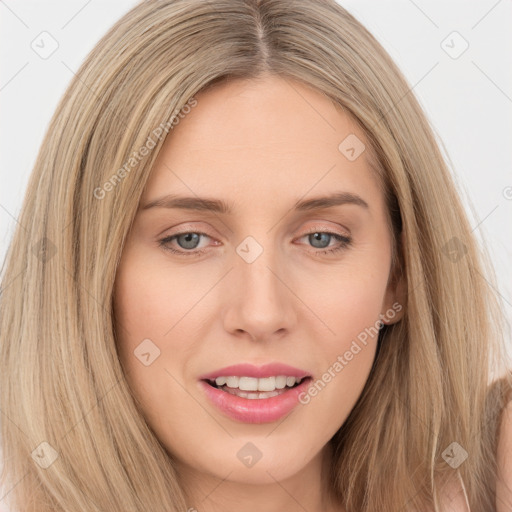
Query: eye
{"points": [[321, 239], [189, 241]]}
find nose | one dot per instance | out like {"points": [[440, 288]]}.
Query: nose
{"points": [[260, 302]]}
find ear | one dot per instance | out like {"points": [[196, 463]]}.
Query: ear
{"points": [[395, 299]]}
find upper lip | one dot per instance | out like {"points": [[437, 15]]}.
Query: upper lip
{"points": [[250, 370]]}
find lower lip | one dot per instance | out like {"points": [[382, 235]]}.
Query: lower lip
{"points": [[258, 410]]}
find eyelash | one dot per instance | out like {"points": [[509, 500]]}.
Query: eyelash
{"points": [[344, 242]]}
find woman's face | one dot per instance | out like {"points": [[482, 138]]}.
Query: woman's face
{"points": [[264, 282]]}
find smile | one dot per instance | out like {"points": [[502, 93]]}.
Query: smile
{"points": [[255, 400]]}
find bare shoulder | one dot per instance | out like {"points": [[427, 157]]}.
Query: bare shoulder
{"points": [[504, 460], [453, 495]]}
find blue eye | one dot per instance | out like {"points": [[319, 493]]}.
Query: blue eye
{"points": [[343, 241], [190, 240]]}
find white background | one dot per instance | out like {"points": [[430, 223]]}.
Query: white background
{"points": [[468, 99]]}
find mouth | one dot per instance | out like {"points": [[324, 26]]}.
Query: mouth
{"points": [[256, 389], [254, 405]]}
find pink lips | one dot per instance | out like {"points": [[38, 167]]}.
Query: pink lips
{"points": [[259, 410], [249, 370]]}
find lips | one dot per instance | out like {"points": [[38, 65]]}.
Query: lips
{"points": [[254, 407], [249, 370], [259, 410]]}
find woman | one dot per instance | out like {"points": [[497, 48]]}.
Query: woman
{"points": [[251, 281]]}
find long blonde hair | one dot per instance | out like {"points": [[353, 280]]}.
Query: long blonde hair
{"points": [[73, 437]]}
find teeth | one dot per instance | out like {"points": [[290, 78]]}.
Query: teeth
{"points": [[231, 382], [253, 384], [252, 396], [280, 382], [220, 381]]}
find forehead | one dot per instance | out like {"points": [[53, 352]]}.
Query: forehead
{"points": [[260, 140]]}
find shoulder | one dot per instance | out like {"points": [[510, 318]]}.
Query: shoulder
{"points": [[453, 495], [504, 461]]}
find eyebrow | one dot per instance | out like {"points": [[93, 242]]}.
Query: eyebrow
{"points": [[219, 206]]}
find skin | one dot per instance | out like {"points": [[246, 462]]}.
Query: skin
{"points": [[261, 146], [504, 461]]}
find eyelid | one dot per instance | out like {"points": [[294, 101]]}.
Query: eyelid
{"points": [[343, 240], [324, 229], [188, 228]]}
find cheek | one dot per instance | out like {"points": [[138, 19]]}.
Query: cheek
{"points": [[347, 300], [150, 301], [348, 303], [146, 309], [356, 313]]}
